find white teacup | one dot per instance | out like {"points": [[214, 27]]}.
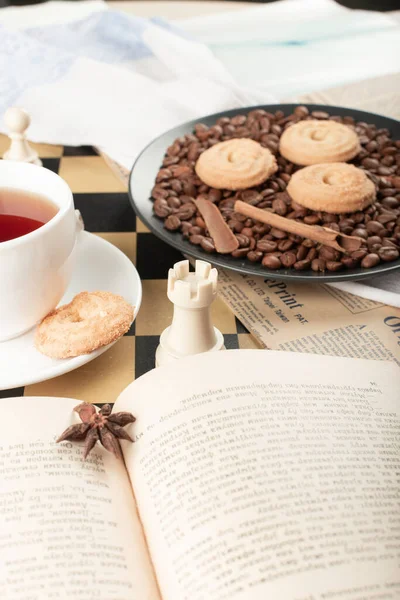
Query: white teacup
{"points": [[35, 269]]}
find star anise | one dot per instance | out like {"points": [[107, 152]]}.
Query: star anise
{"points": [[102, 426]]}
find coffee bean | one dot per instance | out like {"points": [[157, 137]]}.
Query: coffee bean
{"points": [[374, 227], [186, 211], [170, 160], [295, 238], [387, 161], [189, 188], [173, 202], [195, 230], [278, 234], [163, 174], [264, 204], [301, 111], [255, 255], [235, 225], [373, 240], [358, 217], [273, 146], [271, 262], [346, 226], [302, 265], [390, 242], [362, 233], [386, 218], [266, 245], [333, 265], [311, 219], [247, 231], [182, 171], [370, 163], [200, 222], [349, 262], [238, 120], [318, 264], [319, 114], [285, 245], [177, 186], [243, 240], [396, 181], [172, 223], [328, 218], [286, 179], [261, 229], [265, 124], [251, 197], [391, 202], [312, 253], [301, 253], [388, 254], [369, 261], [288, 259], [371, 146], [385, 171], [359, 254], [196, 239], [328, 253], [161, 210], [388, 192], [239, 217], [279, 206], [240, 252]]}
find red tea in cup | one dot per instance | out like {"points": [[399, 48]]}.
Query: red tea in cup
{"points": [[22, 212]]}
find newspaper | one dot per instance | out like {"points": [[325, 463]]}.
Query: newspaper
{"points": [[313, 318]]}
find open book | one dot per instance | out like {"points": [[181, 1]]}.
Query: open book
{"points": [[254, 476]]}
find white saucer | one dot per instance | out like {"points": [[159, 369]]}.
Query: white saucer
{"points": [[99, 266]]}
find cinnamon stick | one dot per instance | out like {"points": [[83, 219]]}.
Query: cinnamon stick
{"points": [[224, 239], [323, 235]]}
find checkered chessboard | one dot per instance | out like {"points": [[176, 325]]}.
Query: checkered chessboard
{"points": [[103, 201]]}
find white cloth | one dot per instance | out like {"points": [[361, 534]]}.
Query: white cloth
{"points": [[108, 79], [295, 46], [89, 75], [383, 288]]}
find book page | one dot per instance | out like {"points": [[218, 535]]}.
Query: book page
{"points": [[263, 474], [68, 528]]}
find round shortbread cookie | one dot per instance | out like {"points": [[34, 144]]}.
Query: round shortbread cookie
{"points": [[333, 188], [91, 320], [313, 142], [236, 164]]}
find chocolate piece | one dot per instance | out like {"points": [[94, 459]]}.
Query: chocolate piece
{"points": [[223, 238]]}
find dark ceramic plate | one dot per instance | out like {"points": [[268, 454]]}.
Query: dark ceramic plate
{"points": [[144, 173]]}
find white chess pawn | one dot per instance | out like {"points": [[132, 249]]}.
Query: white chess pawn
{"points": [[191, 331], [17, 121]]}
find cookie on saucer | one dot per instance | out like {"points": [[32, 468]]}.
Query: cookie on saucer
{"points": [[90, 321]]}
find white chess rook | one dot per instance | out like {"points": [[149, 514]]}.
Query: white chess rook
{"points": [[191, 331], [17, 121]]}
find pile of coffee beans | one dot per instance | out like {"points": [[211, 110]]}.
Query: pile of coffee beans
{"points": [[379, 225]]}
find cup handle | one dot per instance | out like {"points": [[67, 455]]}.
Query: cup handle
{"points": [[80, 225]]}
